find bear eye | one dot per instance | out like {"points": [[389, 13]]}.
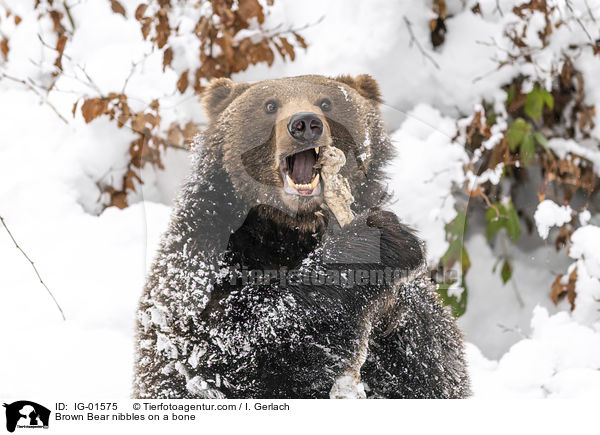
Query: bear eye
{"points": [[325, 105], [271, 106]]}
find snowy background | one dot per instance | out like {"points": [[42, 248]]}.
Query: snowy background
{"points": [[94, 260]]}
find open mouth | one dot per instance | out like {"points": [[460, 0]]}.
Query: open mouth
{"points": [[300, 177]]}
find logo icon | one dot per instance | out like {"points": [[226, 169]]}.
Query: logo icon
{"points": [[26, 414]]}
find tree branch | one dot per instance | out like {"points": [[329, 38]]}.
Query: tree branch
{"points": [[34, 268], [414, 40], [37, 92]]}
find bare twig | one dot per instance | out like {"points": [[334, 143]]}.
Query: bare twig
{"points": [[436, 174], [91, 82], [134, 66], [68, 10], [568, 3], [480, 192], [275, 31], [37, 92], [490, 72], [126, 82], [34, 268], [516, 330], [175, 146], [414, 41], [498, 8], [45, 44], [589, 11]]}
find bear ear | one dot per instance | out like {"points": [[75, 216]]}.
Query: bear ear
{"points": [[219, 94], [364, 84]]}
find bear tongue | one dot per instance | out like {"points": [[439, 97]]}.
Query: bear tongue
{"points": [[302, 169]]}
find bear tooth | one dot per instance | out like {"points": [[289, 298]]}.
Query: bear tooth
{"points": [[290, 181], [317, 150], [315, 181]]}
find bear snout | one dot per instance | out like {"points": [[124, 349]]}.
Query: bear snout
{"points": [[305, 127]]}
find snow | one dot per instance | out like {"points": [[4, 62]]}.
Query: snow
{"points": [[423, 174], [560, 359], [585, 149], [492, 175], [549, 214], [94, 261], [584, 250]]}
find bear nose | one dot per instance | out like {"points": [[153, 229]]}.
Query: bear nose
{"points": [[305, 126]]}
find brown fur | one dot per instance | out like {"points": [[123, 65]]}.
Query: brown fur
{"points": [[201, 337], [365, 85], [252, 142]]}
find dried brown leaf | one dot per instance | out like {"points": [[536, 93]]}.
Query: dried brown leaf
{"points": [[93, 107], [250, 9], [118, 199], [201, 28], [146, 27], [190, 130], [174, 134], [117, 8], [183, 82], [167, 58], [152, 120], [300, 40], [4, 48], [289, 48], [56, 17], [138, 122], [129, 178], [163, 29], [560, 289], [140, 11], [60, 48], [557, 289]]}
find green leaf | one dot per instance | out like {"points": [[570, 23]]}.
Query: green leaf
{"points": [[540, 139], [507, 219], [510, 94], [494, 220], [452, 253], [527, 149], [548, 99], [456, 252], [506, 272], [513, 225], [458, 225], [465, 260], [535, 101], [458, 305], [516, 132]]}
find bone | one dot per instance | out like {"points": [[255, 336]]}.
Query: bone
{"points": [[336, 188]]}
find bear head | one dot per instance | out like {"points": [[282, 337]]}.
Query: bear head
{"points": [[268, 135]]}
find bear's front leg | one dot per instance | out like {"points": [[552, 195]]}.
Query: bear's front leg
{"points": [[416, 349], [378, 253], [179, 286], [411, 346]]}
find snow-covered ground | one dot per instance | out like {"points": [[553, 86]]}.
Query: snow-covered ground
{"points": [[520, 344]]}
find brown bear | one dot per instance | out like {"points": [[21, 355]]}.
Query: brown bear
{"points": [[257, 290]]}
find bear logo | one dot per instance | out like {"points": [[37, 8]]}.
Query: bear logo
{"points": [[281, 274]]}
